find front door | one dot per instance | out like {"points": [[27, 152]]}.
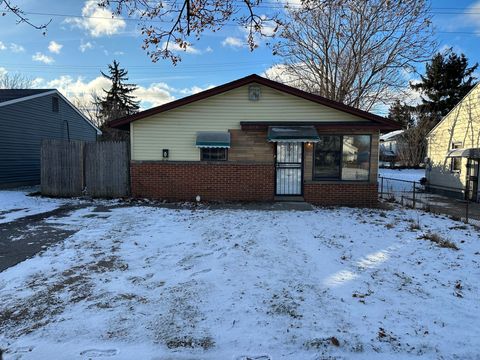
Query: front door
{"points": [[472, 180], [289, 168]]}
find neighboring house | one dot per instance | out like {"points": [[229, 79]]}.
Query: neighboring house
{"points": [[454, 149], [390, 144], [26, 118], [254, 139]]}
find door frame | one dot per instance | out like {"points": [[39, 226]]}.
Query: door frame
{"points": [[302, 170]]}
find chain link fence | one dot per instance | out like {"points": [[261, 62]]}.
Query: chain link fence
{"points": [[435, 199]]}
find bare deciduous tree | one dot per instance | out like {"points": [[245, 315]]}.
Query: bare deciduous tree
{"points": [[15, 81], [90, 107], [355, 51], [411, 150], [412, 147]]}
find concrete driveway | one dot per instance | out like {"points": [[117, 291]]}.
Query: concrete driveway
{"points": [[23, 238]]}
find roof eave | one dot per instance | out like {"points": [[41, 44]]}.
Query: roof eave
{"points": [[122, 122]]}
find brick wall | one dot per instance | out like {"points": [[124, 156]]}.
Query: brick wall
{"points": [[346, 194], [234, 181], [178, 181]]}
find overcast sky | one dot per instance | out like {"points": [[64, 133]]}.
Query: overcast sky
{"points": [[81, 40]]}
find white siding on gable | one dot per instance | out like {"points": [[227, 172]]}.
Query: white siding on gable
{"points": [[176, 129]]}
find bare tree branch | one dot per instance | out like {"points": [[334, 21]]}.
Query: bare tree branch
{"points": [[184, 19], [355, 51], [15, 81], [20, 14]]}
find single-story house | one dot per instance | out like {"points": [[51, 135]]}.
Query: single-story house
{"points": [[255, 139], [453, 151], [27, 116], [390, 144]]}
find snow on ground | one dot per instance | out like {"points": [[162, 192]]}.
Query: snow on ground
{"points": [[16, 203], [402, 174], [152, 283]]}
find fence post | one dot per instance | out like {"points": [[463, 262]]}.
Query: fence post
{"points": [[466, 212], [414, 183], [381, 187]]}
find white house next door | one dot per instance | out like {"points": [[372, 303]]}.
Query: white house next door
{"points": [[289, 168]]}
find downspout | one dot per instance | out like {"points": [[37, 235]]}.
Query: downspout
{"points": [[68, 128], [65, 121]]}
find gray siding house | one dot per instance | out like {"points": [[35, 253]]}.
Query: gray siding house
{"points": [[26, 118]]}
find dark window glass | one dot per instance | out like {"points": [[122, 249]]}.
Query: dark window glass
{"points": [[213, 154], [356, 157], [54, 104], [456, 162], [327, 157]]}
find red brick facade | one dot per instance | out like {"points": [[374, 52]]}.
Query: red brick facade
{"points": [[183, 181], [346, 194], [235, 181]]}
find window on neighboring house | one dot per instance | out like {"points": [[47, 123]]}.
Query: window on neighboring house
{"points": [[55, 104], [456, 162], [342, 157], [213, 154]]}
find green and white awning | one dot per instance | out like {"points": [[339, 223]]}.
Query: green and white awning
{"points": [[213, 139], [292, 134]]}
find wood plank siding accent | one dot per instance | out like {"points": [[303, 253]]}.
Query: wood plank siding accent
{"points": [[251, 146]]}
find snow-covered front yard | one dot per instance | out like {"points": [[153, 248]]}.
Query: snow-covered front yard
{"points": [[144, 282], [402, 174]]}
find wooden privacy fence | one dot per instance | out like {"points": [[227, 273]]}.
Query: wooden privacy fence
{"points": [[75, 168]]}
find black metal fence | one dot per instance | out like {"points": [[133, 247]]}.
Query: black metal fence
{"points": [[436, 199]]}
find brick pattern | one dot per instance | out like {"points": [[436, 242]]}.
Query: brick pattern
{"points": [[346, 194], [183, 181]]}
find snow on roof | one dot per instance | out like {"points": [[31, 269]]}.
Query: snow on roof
{"points": [[391, 135]]}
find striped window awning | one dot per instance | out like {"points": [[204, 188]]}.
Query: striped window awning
{"points": [[292, 134], [213, 139], [472, 153]]}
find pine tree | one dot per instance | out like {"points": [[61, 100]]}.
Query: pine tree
{"points": [[118, 101], [401, 113], [448, 78]]}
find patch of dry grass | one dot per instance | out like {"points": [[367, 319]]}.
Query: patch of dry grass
{"points": [[439, 240], [414, 225]]}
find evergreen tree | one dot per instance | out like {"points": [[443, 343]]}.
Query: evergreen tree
{"points": [[118, 101], [402, 114], [448, 78]]}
